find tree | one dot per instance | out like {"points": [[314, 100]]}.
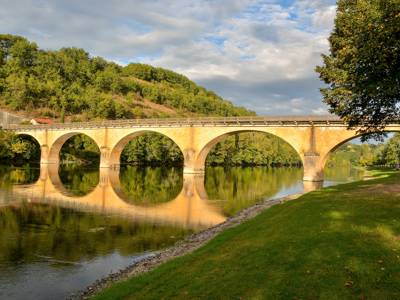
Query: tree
{"points": [[391, 152], [363, 67]]}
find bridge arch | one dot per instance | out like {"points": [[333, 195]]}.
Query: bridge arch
{"points": [[117, 149], [59, 142], [37, 152], [29, 136], [346, 140], [205, 150]]}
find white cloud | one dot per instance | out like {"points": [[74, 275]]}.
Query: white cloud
{"points": [[319, 111], [259, 53]]}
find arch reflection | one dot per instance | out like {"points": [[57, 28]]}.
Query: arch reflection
{"points": [[190, 208], [148, 186], [21, 175], [76, 181]]}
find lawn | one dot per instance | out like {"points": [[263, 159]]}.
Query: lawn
{"points": [[341, 242]]}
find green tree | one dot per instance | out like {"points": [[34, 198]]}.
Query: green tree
{"points": [[363, 67], [390, 154]]}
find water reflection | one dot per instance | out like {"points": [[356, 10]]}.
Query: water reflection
{"points": [[189, 208], [149, 185], [341, 174], [74, 226], [74, 240], [78, 181], [25, 174], [236, 188]]}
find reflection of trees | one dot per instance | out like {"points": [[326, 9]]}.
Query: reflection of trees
{"points": [[237, 188], [150, 185], [342, 173], [77, 181], [29, 230], [21, 175]]}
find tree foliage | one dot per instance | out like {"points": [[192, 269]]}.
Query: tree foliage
{"points": [[152, 149], [80, 149], [70, 84], [363, 67], [354, 154], [390, 152], [251, 149], [18, 149], [244, 149]]}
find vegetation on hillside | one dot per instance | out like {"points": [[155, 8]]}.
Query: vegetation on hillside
{"points": [[70, 84]]}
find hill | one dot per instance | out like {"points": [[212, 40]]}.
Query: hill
{"points": [[69, 84]]}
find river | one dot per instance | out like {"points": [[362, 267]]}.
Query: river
{"points": [[61, 229]]}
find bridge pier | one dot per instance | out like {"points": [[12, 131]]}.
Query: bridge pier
{"points": [[44, 154], [193, 171], [47, 158], [105, 157], [313, 167], [191, 163], [309, 186]]}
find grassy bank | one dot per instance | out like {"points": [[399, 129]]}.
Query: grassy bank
{"points": [[341, 242]]}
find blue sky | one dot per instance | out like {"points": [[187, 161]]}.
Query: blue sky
{"points": [[258, 54]]}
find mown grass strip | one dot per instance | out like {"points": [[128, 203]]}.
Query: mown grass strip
{"points": [[341, 242]]}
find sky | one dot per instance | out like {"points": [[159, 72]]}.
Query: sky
{"points": [[260, 54]]}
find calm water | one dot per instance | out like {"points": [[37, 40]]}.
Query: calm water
{"points": [[61, 229]]}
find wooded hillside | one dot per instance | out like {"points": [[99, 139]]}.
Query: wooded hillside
{"points": [[70, 84]]}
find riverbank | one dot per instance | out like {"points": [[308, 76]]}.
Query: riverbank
{"points": [[338, 242], [183, 247]]}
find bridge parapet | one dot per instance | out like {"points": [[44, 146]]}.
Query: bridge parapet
{"points": [[190, 122]]}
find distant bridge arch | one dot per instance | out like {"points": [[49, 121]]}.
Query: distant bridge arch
{"points": [[345, 137], [312, 137], [58, 143], [217, 136], [119, 146], [29, 136]]}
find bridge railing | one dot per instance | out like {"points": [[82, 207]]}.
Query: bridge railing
{"points": [[180, 122]]}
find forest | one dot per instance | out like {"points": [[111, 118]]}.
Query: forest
{"points": [[69, 84]]}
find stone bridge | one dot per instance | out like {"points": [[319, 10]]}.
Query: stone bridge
{"points": [[312, 137]]}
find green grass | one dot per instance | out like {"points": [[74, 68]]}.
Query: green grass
{"points": [[341, 242]]}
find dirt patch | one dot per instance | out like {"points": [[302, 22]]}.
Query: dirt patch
{"points": [[155, 106], [183, 247], [381, 189], [392, 189]]}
